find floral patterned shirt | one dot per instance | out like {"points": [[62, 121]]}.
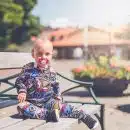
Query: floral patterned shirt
{"points": [[39, 85]]}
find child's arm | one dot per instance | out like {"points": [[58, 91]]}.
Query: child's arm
{"points": [[55, 85], [56, 90], [20, 86]]}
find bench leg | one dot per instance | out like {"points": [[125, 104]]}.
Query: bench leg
{"points": [[102, 116]]}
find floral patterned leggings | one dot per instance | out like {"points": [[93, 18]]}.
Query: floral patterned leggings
{"points": [[28, 109]]}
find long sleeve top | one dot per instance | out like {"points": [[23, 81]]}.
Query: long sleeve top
{"points": [[39, 85]]}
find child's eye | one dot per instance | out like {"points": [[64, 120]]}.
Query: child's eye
{"points": [[39, 54], [47, 54]]}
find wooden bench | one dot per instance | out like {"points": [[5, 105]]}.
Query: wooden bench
{"points": [[10, 66]]}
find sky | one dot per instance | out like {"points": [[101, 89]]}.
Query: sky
{"points": [[101, 13]]}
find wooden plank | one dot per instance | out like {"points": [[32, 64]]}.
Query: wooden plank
{"points": [[14, 123], [69, 123], [77, 105], [8, 111], [8, 121], [35, 124], [91, 109], [28, 124], [63, 124], [88, 108]]}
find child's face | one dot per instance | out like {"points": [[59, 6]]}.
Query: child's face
{"points": [[42, 53]]}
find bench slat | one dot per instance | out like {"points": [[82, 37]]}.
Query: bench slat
{"points": [[69, 123], [8, 111], [26, 124], [35, 124], [8, 121], [91, 109], [14, 123], [63, 124]]}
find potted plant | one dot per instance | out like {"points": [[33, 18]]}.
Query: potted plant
{"points": [[108, 77]]}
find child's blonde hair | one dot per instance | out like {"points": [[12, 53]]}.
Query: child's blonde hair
{"points": [[39, 42]]}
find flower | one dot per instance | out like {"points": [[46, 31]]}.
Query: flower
{"points": [[102, 68], [128, 68], [78, 70]]}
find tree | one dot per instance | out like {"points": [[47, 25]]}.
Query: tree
{"points": [[10, 14], [17, 23], [30, 24]]}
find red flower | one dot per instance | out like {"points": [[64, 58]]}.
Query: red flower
{"points": [[78, 70], [128, 68], [113, 65]]}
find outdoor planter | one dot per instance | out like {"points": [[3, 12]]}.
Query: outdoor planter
{"points": [[107, 86], [108, 77]]}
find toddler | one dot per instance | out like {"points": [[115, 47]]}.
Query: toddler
{"points": [[38, 89]]}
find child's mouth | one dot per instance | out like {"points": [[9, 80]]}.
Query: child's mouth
{"points": [[42, 62]]}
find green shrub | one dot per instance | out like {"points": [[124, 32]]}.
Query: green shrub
{"points": [[12, 48]]}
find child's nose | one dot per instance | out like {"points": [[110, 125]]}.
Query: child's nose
{"points": [[44, 56], [41, 58]]}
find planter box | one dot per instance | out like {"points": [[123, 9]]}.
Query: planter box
{"points": [[107, 86]]}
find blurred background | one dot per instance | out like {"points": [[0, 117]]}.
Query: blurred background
{"points": [[80, 30], [77, 28]]}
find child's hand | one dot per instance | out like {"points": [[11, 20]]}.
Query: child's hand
{"points": [[58, 98], [21, 97]]}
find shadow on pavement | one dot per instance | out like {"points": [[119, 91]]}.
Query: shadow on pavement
{"points": [[78, 93], [16, 116], [124, 108]]}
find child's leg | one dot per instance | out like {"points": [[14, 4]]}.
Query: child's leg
{"points": [[53, 107], [52, 104], [72, 112], [27, 109]]}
